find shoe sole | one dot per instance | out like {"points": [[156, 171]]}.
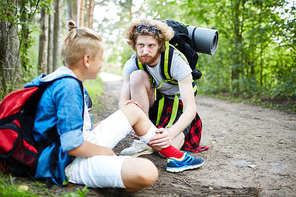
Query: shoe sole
{"points": [[184, 168]]}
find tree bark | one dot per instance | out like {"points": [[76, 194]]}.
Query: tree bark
{"points": [[90, 13], [43, 42], [56, 33], [81, 13], [71, 10], [10, 68], [238, 25], [50, 43]]}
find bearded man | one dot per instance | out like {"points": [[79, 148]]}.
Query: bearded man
{"points": [[169, 106]]}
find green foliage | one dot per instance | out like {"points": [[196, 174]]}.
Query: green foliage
{"points": [[78, 193], [95, 89], [9, 189]]}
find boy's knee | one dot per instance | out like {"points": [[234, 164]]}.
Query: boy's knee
{"points": [[148, 174], [138, 173]]}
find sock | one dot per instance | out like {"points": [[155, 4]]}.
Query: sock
{"points": [[171, 151], [146, 138]]}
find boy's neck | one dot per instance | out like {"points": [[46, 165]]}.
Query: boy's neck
{"points": [[77, 72]]}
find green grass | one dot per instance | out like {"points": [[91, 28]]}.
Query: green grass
{"points": [[10, 187], [95, 89], [285, 105]]}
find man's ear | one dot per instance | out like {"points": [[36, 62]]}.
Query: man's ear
{"points": [[85, 61]]}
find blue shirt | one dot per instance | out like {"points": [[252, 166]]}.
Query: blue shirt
{"points": [[61, 106]]}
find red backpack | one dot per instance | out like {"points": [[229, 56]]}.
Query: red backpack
{"points": [[18, 151]]}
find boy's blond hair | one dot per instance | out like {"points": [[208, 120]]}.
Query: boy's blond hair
{"points": [[165, 32], [80, 41]]}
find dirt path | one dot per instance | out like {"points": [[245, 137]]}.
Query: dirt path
{"points": [[252, 151]]}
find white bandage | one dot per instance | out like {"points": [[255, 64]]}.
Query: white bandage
{"points": [[146, 138]]}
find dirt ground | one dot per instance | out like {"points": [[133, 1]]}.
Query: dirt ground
{"points": [[252, 153]]}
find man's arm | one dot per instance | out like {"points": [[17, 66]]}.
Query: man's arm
{"points": [[187, 95], [125, 93], [163, 139]]}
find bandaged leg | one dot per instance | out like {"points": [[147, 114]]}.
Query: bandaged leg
{"points": [[146, 138]]}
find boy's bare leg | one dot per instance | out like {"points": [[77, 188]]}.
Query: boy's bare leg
{"points": [[137, 118], [138, 173]]}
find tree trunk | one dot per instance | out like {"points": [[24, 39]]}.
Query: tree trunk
{"points": [[56, 33], [50, 42], [10, 68], [90, 13], [24, 34], [77, 4], [238, 24], [81, 13], [71, 11], [43, 42]]}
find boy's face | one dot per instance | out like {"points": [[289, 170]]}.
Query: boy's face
{"points": [[96, 64], [148, 50]]}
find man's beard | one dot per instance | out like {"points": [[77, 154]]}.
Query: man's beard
{"points": [[150, 59]]}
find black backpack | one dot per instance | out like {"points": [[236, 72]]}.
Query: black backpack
{"points": [[185, 45]]}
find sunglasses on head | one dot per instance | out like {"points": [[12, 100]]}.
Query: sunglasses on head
{"points": [[151, 29]]}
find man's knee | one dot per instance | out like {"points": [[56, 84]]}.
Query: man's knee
{"points": [[139, 78], [133, 107]]}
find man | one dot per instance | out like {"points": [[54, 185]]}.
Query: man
{"points": [[170, 106]]}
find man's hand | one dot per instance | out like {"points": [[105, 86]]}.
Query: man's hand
{"points": [[161, 139]]}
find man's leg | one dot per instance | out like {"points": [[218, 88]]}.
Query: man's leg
{"points": [[141, 90], [178, 141], [143, 94]]}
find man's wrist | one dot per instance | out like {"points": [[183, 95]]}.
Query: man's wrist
{"points": [[171, 132]]}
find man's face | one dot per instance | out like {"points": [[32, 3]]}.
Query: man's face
{"points": [[148, 50]]}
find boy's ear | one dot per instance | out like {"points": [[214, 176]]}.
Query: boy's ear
{"points": [[85, 60]]}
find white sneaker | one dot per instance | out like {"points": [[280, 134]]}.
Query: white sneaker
{"points": [[136, 149]]}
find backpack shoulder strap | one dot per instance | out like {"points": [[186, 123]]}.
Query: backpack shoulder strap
{"points": [[140, 66], [166, 62]]}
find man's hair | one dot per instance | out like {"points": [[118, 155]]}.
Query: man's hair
{"points": [[155, 28], [79, 42]]}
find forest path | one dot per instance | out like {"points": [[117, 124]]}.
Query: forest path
{"points": [[252, 150]]}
